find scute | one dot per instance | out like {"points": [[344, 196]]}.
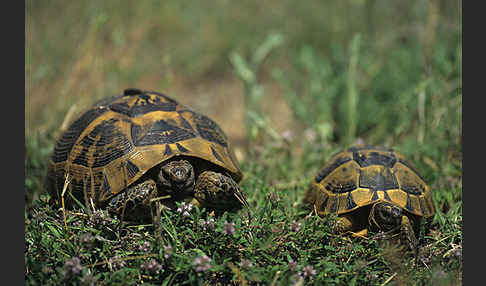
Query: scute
{"points": [[358, 177], [342, 179], [409, 180], [68, 139], [159, 132], [142, 103], [209, 130], [377, 178], [106, 142], [335, 163], [119, 139], [367, 158]]}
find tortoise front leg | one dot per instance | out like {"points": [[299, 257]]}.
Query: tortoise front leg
{"points": [[408, 234], [344, 223], [135, 202], [218, 191], [347, 223]]}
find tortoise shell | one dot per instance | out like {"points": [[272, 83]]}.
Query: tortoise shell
{"points": [[359, 177], [119, 139]]}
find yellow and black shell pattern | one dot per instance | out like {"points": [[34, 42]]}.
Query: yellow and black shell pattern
{"points": [[119, 139], [359, 177]]}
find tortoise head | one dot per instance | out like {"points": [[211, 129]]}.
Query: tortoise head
{"points": [[177, 178], [385, 216]]}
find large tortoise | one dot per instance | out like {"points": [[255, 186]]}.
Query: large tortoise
{"points": [[130, 149], [371, 188]]}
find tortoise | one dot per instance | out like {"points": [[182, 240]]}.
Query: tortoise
{"points": [[131, 149], [371, 188]]}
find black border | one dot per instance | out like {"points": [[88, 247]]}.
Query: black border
{"points": [[473, 196], [13, 50]]}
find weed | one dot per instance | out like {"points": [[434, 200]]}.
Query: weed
{"points": [[249, 73]]}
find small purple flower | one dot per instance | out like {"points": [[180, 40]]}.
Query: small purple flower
{"points": [[229, 228], [87, 239], [116, 263], [425, 260], [72, 267], [295, 226], [292, 265], [208, 224], [246, 263], [99, 217], [145, 246], [457, 252], [274, 198], [184, 209], [167, 251], [202, 263], [152, 266], [372, 277], [76, 223], [308, 271]]}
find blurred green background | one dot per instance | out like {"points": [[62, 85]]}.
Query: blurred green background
{"points": [[329, 73]]}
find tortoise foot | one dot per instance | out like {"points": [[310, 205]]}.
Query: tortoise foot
{"points": [[135, 202], [218, 191]]}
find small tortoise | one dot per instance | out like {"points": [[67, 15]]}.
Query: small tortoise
{"points": [[130, 149], [371, 188]]}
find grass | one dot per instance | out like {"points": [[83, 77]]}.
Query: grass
{"points": [[310, 87]]}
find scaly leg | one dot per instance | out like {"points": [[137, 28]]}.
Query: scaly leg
{"points": [[218, 191], [346, 223], [134, 202], [406, 229]]}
